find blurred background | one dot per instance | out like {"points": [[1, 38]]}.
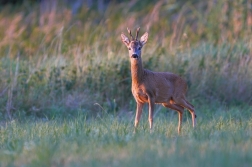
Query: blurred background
{"points": [[61, 57]]}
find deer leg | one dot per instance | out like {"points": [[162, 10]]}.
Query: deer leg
{"points": [[192, 111], [138, 114], [179, 109], [180, 122], [188, 106], [151, 111]]}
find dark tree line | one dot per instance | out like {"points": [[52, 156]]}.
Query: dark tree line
{"points": [[75, 5]]}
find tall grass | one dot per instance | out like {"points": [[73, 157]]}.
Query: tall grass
{"points": [[70, 62]]}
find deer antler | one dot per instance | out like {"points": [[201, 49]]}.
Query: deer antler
{"points": [[137, 33], [132, 38]]}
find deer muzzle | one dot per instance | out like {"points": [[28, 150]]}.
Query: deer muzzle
{"points": [[135, 56]]}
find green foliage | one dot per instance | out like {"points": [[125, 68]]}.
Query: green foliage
{"points": [[69, 62]]}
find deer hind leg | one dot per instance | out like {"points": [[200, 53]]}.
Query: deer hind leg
{"points": [[192, 111], [188, 106], [179, 109]]}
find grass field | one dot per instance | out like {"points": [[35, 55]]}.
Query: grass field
{"points": [[65, 84], [223, 137]]}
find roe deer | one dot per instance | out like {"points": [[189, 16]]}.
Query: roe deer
{"points": [[150, 87]]}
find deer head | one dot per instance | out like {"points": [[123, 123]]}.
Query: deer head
{"points": [[134, 45]]}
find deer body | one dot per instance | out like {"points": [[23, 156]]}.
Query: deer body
{"points": [[159, 86], [150, 87]]}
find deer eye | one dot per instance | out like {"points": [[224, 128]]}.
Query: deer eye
{"points": [[129, 48]]}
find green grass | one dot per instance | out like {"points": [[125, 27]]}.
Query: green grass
{"points": [[222, 138], [65, 86]]}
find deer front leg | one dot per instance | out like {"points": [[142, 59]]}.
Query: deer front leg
{"points": [[151, 111], [138, 114], [180, 114]]}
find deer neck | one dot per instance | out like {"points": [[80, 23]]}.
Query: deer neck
{"points": [[137, 71]]}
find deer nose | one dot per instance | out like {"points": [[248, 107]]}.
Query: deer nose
{"points": [[135, 56]]}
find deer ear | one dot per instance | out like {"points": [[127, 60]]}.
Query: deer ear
{"points": [[125, 39], [144, 38]]}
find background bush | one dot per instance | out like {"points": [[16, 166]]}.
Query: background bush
{"points": [[58, 62]]}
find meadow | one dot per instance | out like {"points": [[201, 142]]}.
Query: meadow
{"points": [[222, 139], [65, 86]]}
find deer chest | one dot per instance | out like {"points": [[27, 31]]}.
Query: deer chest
{"points": [[139, 95]]}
